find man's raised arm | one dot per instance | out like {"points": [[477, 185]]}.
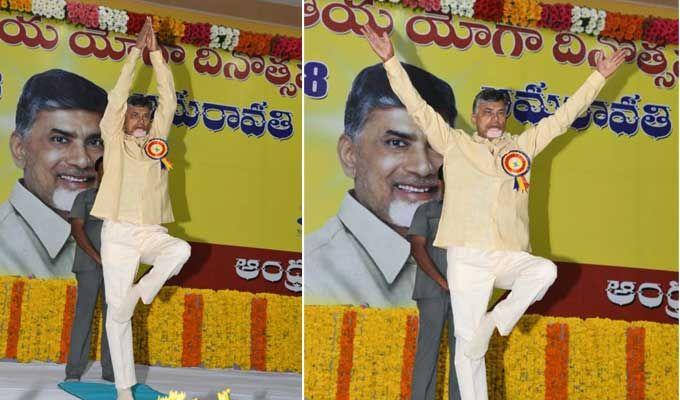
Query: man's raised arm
{"points": [[437, 130], [167, 98], [114, 116], [535, 139]]}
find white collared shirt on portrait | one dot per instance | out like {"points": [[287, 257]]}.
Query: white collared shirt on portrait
{"points": [[34, 240], [355, 258]]}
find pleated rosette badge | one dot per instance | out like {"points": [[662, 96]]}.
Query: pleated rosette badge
{"points": [[516, 164], [157, 149]]}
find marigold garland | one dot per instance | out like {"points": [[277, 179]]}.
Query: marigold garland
{"points": [[521, 12], [284, 322], [34, 315], [20, 5], [218, 334], [254, 44], [322, 369], [409, 356], [169, 30], [589, 358], [559, 17], [623, 27]]}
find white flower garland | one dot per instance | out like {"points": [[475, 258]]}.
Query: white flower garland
{"points": [[224, 38], [113, 20], [49, 8], [463, 8], [587, 20]]}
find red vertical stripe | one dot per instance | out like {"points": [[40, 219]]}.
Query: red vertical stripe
{"points": [[557, 362], [67, 318], [635, 363], [345, 360], [14, 324], [258, 334], [193, 328], [409, 356]]}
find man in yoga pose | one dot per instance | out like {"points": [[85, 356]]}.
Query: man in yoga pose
{"points": [[133, 201], [485, 218]]}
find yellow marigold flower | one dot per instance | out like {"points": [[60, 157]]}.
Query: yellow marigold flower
{"points": [[224, 395], [174, 395]]}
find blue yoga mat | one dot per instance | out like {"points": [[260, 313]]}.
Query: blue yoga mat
{"points": [[106, 391]]}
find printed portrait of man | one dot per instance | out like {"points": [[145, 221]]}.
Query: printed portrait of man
{"points": [[361, 256], [55, 142]]}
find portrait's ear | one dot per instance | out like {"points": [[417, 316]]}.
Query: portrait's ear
{"points": [[347, 155], [17, 147]]}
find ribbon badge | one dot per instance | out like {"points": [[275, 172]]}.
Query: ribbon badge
{"points": [[157, 149], [516, 164]]}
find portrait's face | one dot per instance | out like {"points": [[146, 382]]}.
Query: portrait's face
{"points": [[58, 155], [393, 167], [137, 119], [489, 115]]}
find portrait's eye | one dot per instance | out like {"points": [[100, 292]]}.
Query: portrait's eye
{"points": [[95, 142], [397, 143], [60, 139]]}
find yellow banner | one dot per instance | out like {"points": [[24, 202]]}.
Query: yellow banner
{"points": [[604, 193], [235, 144]]}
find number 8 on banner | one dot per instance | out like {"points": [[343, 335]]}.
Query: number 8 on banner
{"points": [[316, 80]]}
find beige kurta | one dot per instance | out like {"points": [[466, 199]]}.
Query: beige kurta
{"points": [[481, 207], [135, 188]]}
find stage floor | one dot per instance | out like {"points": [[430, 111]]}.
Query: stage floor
{"points": [[39, 380]]}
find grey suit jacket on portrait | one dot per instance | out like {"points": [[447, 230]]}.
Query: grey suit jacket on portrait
{"points": [[425, 223], [93, 229]]}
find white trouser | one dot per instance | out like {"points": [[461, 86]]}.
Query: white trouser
{"points": [[124, 245], [472, 274]]}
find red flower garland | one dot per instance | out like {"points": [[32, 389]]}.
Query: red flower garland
{"points": [[135, 22], [556, 16], [489, 10], [427, 5], [660, 31], [197, 34], [83, 14], [285, 48]]}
